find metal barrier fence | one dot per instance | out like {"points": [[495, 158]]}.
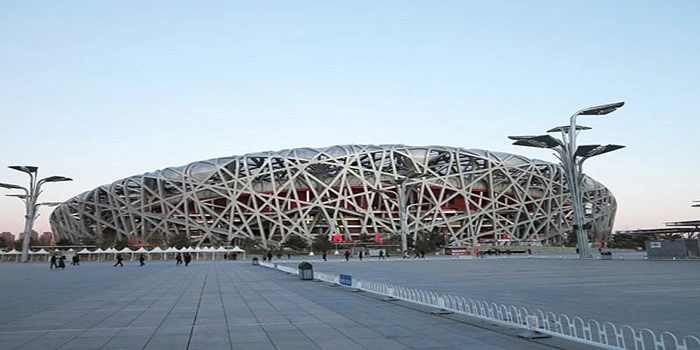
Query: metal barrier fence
{"points": [[601, 334]]}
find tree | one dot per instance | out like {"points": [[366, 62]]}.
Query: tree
{"points": [[625, 241], [179, 241], [18, 243], [571, 239], [321, 243], [87, 241], [64, 242], [365, 238], [246, 243], [120, 244], [429, 242], [295, 242]]}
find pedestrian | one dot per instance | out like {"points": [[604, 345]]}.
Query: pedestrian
{"points": [[119, 261], [381, 255], [178, 259], [53, 262], [360, 256], [324, 256], [61, 262], [142, 258], [75, 260], [347, 255], [269, 256], [188, 258]]}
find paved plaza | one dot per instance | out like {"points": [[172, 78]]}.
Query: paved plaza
{"points": [[224, 305], [658, 295]]}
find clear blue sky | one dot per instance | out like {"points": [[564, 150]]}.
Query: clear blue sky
{"points": [[99, 91]]}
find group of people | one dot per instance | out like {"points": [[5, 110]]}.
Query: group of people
{"points": [[58, 262], [360, 255], [120, 259], [268, 256], [187, 257]]}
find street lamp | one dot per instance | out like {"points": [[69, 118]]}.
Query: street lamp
{"points": [[400, 187], [29, 198], [572, 158]]}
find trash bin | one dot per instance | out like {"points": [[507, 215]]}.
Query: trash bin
{"points": [[306, 271], [255, 262]]}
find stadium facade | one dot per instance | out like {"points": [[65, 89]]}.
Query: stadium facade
{"points": [[469, 195]]}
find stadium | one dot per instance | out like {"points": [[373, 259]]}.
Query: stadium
{"points": [[343, 192]]}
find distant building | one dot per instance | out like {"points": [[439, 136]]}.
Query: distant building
{"points": [[35, 235], [46, 238]]}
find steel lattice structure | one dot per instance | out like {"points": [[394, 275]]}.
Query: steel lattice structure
{"points": [[467, 194]]}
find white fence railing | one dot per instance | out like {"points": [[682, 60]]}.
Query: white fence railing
{"points": [[601, 334]]}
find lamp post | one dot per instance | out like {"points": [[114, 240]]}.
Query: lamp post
{"points": [[400, 187], [572, 158], [30, 197]]}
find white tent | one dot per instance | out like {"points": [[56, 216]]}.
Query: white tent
{"points": [[127, 250], [110, 250], [12, 252], [40, 255], [141, 250], [100, 253], [158, 250], [237, 249]]}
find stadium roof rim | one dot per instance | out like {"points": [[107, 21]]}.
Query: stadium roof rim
{"points": [[309, 153]]}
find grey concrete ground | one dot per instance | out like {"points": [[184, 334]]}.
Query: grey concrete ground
{"points": [[226, 305], [659, 295]]}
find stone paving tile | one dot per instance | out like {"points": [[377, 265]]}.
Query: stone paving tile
{"points": [[338, 344], [296, 345], [63, 334], [100, 332], [85, 343], [167, 342], [127, 342], [38, 344]]}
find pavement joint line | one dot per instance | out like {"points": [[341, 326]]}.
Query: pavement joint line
{"points": [[76, 329], [178, 299]]}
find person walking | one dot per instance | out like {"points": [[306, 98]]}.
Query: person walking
{"points": [[347, 255], [360, 256], [142, 258], [178, 259], [188, 258], [53, 262], [381, 255], [61, 263], [324, 256], [119, 261]]}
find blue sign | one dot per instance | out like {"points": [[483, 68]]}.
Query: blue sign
{"points": [[346, 280]]}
